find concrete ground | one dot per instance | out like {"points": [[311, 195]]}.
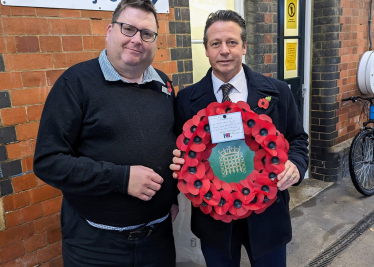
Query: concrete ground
{"points": [[322, 212]]}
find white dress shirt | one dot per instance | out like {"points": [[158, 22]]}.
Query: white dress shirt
{"points": [[238, 93]]}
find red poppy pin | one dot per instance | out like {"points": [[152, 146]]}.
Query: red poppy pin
{"points": [[264, 102], [167, 90]]}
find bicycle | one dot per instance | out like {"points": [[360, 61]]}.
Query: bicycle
{"points": [[361, 153]]}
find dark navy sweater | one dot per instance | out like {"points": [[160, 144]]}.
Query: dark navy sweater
{"points": [[92, 131]]}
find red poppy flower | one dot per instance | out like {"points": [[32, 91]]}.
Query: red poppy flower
{"points": [[189, 128], [237, 207], [223, 205], [206, 208], [262, 129], [198, 187], [265, 118], [228, 218], [197, 144], [227, 107], [217, 216], [257, 202], [192, 158], [251, 143], [195, 199], [267, 203], [272, 176], [247, 190], [203, 130], [168, 84], [259, 159], [182, 186], [193, 173], [263, 103], [273, 143], [267, 187], [250, 120], [211, 108], [281, 157], [249, 212], [243, 105], [212, 197], [182, 142]]}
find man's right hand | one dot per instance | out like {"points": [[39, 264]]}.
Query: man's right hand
{"points": [[143, 182], [177, 162]]}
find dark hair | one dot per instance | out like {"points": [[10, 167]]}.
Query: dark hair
{"points": [[145, 5], [225, 15]]}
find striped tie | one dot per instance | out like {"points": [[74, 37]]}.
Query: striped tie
{"points": [[226, 88]]}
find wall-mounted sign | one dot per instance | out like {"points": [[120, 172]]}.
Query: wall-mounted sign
{"points": [[291, 12], [291, 50], [162, 6]]}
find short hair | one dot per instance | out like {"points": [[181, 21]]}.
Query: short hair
{"points": [[225, 15], [145, 5]]}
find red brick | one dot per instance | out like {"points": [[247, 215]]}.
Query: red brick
{"points": [[16, 234], [96, 14], [163, 27], [162, 55], [16, 201], [52, 205], [2, 45], [58, 262], [52, 76], [4, 10], [54, 235], [171, 40], [25, 26], [42, 193], [65, 60], [19, 150], [10, 80], [11, 219], [26, 44], [99, 26], [46, 264], [24, 182], [35, 242], [70, 13], [11, 252], [29, 96], [50, 43], [87, 43], [47, 12], [29, 260], [23, 11], [12, 116], [47, 223], [28, 61], [30, 213], [27, 131], [34, 78], [34, 112], [40, 182], [99, 42], [49, 252], [10, 44], [72, 43], [170, 67], [27, 164], [69, 26]]}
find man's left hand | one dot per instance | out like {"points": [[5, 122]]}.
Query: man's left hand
{"points": [[174, 212], [289, 176]]}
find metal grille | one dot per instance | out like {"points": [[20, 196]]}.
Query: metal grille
{"points": [[328, 255]]}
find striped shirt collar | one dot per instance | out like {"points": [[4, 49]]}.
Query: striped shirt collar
{"points": [[110, 74]]}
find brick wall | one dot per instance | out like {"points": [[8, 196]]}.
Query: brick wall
{"points": [[36, 46], [261, 19], [340, 32]]}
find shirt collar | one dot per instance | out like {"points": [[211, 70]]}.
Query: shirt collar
{"points": [[238, 81], [110, 74]]}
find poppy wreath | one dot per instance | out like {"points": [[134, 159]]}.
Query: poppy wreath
{"points": [[231, 201]]}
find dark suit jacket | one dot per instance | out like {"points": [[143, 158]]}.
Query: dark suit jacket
{"points": [[271, 228]]}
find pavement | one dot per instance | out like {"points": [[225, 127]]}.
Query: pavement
{"points": [[323, 215]]}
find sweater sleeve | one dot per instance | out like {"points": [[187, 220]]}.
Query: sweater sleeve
{"points": [[56, 161]]}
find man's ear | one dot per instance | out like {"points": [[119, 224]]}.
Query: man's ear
{"points": [[244, 48], [108, 31]]}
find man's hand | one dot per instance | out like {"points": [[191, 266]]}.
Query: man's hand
{"points": [[143, 182], [174, 212], [288, 177], [177, 162]]}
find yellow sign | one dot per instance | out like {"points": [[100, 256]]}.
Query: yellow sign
{"points": [[291, 14], [291, 51]]}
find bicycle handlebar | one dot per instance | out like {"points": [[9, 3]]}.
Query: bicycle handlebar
{"points": [[354, 98]]}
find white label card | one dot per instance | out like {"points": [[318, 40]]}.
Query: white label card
{"points": [[226, 127]]}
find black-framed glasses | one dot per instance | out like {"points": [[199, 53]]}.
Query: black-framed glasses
{"points": [[130, 31]]}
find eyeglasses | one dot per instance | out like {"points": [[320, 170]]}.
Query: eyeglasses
{"points": [[130, 31]]}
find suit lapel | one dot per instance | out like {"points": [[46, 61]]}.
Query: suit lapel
{"points": [[259, 87]]}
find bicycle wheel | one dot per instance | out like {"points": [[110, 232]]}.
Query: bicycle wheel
{"points": [[361, 162]]}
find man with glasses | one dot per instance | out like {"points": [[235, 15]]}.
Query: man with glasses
{"points": [[105, 139]]}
